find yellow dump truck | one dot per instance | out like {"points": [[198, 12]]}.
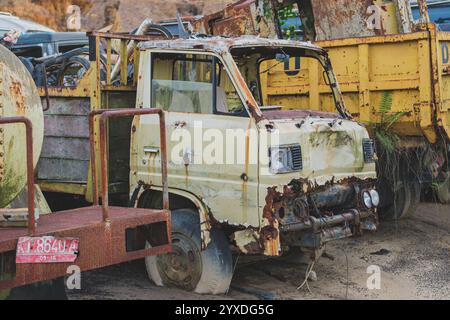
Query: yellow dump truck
{"points": [[242, 177], [398, 86], [393, 71]]}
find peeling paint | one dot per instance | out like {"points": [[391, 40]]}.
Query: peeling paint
{"points": [[18, 97]]}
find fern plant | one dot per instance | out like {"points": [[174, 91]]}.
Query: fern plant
{"points": [[384, 135]]}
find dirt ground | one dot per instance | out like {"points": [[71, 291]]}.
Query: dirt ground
{"points": [[414, 256]]}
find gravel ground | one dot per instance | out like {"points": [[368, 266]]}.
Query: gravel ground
{"points": [[413, 256]]}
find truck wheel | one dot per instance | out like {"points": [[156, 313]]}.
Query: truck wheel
{"points": [[188, 267], [400, 206], [443, 191], [416, 193]]}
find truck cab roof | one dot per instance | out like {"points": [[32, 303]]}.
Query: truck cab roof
{"points": [[221, 44]]}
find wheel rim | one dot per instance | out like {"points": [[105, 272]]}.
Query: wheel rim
{"points": [[182, 267]]}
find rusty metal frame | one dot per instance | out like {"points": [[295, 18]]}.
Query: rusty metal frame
{"points": [[120, 113], [30, 167], [103, 242]]}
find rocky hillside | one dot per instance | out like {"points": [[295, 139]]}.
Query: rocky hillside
{"points": [[47, 12], [123, 14]]}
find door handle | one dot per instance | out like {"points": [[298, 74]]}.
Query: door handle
{"points": [[151, 150]]}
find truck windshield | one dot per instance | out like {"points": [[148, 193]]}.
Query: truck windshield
{"points": [[293, 69]]}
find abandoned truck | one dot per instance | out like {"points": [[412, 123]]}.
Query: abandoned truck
{"points": [[393, 78], [36, 245], [288, 179], [314, 184]]}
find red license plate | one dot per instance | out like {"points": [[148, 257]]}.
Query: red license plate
{"points": [[46, 250]]}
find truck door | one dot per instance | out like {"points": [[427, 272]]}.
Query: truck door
{"points": [[212, 140]]}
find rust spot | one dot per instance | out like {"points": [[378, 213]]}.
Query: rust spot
{"points": [[16, 92], [298, 198]]}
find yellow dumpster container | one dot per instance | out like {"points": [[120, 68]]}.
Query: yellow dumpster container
{"points": [[400, 79], [407, 73]]}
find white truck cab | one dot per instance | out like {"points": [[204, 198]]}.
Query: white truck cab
{"points": [[243, 176]]}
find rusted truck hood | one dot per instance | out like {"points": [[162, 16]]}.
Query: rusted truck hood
{"points": [[298, 114], [331, 147]]}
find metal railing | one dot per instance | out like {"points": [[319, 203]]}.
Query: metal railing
{"points": [[128, 53], [120, 113], [30, 167]]}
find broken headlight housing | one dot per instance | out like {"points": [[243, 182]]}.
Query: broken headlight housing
{"points": [[369, 150], [285, 159]]}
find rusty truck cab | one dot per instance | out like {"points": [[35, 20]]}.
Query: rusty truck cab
{"points": [[306, 178]]}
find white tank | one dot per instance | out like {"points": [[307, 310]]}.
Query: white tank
{"points": [[18, 97]]}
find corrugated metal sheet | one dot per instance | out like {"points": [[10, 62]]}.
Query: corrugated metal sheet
{"points": [[65, 154]]}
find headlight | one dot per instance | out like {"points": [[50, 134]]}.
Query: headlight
{"points": [[375, 196], [285, 159], [367, 200]]}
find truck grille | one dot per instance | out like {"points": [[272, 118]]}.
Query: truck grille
{"points": [[369, 150], [297, 158]]}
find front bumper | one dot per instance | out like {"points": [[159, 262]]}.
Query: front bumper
{"points": [[307, 215]]}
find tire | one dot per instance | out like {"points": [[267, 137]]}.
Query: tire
{"points": [[188, 267], [399, 207], [82, 63], [28, 64], [443, 191], [416, 192], [155, 29]]}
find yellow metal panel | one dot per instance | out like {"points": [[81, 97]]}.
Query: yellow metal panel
{"points": [[443, 51], [364, 93], [314, 82], [68, 188], [108, 61], [123, 63], [408, 72], [426, 96]]}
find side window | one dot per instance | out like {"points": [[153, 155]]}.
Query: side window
{"points": [[32, 51], [188, 83], [228, 100], [182, 83]]}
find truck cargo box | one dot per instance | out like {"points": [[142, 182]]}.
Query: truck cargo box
{"points": [[381, 75]]}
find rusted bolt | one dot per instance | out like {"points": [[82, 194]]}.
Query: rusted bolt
{"points": [[133, 129]]}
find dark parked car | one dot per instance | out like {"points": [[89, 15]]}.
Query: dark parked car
{"points": [[43, 44], [56, 59]]}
